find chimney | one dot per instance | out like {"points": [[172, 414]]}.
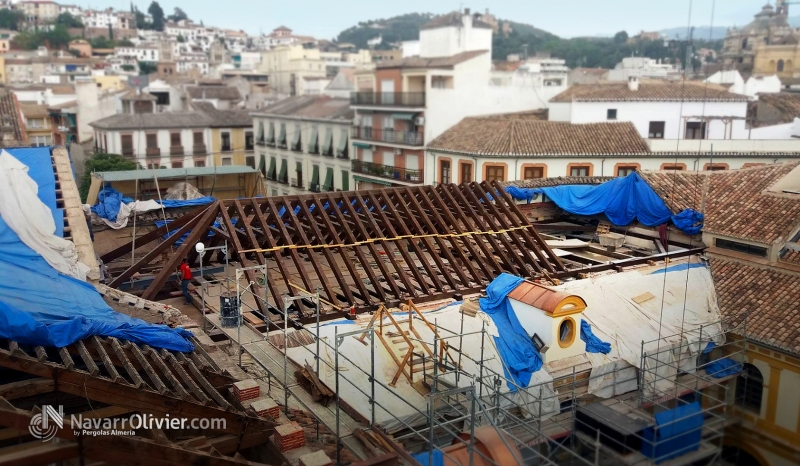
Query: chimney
{"points": [[633, 83], [466, 11]]}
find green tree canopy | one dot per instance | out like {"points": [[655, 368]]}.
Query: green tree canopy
{"points": [[67, 20], [621, 37], [157, 13], [146, 67], [11, 19], [103, 163], [178, 15]]}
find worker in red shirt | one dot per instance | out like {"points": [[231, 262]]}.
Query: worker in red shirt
{"points": [[186, 277]]}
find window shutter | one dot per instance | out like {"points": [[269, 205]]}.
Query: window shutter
{"points": [[343, 142], [284, 170], [312, 142], [328, 185], [326, 146], [271, 171], [345, 180], [315, 175]]}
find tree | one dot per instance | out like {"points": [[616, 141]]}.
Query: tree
{"points": [[102, 163], [128, 68], [11, 19], [181, 39], [141, 21], [67, 20], [58, 37], [146, 67], [621, 37], [158, 16], [178, 15], [124, 43]]}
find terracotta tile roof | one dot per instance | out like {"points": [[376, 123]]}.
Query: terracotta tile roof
{"points": [[34, 110], [224, 118], [538, 296], [214, 92], [665, 91], [766, 298], [310, 107], [501, 65], [597, 71], [10, 118], [525, 137], [736, 203], [153, 121], [787, 103], [558, 181], [431, 62], [454, 19], [790, 256], [536, 115]]}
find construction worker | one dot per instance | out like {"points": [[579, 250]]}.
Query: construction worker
{"points": [[186, 277]]}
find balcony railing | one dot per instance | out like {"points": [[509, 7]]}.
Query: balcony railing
{"points": [[226, 148], [296, 183], [314, 188], [387, 171], [409, 138], [176, 150], [389, 99], [127, 151], [261, 142], [153, 152], [199, 149]]}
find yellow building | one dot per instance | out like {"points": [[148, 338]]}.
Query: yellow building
{"points": [[115, 83], [38, 126], [781, 59], [232, 141], [288, 65]]}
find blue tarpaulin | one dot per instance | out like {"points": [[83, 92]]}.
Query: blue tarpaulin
{"points": [[622, 200], [724, 367], [677, 432], [593, 344], [39, 306], [519, 356], [424, 458], [678, 268], [109, 200], [161, 223]]}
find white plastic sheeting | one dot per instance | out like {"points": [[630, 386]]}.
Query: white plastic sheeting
{"points": [[396, 409], [669, 323], [32, 220], [125, 211]]}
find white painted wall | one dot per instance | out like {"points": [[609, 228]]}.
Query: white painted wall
{"points": [[164, 143], [788, 401], [452, 40], [672, 113], [736, 145]]}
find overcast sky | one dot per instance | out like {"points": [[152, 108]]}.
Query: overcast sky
{"points": [[566, 18]]}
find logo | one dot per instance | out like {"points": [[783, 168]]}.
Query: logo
{"points": [[45, 425]]}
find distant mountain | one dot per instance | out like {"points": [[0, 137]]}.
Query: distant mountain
{"points": [[406, 27], [700, 32]]}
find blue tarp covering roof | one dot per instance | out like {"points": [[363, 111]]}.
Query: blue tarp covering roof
{"points": [[677, 432], [622, 200], [593, 344], [519, 355], [109, 200], [39, 306]]}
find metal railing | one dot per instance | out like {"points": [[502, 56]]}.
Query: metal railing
{"points": [[409, 138], [226, 148], [296, 183], [314, 187], [391, 99], [153, 152], [388, 171], [199, 149], [176, 150]]}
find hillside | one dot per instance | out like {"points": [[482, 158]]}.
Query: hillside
{"points": [[700, 32], [391, 30]]}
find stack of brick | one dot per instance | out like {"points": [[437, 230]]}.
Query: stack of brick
{"points": [[318, 458], [246, 390], [266, 407], [289, 436]]}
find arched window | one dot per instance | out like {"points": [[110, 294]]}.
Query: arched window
{"points": [[750, 388], [780, 66]]}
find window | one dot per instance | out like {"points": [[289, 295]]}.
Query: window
{"points": [[466, 173], [175, 139], [711, 167], [656, 130], [152, 141], [226, 142], [673, 166], [625, 170], [227, 161], [566, 332], [198, 139], [249, 142], [531, 173], [495, 173], [741, 247], [35, 123], [611, 114], [695, 130], [199, 163], [177, 164], [40, 141], [444, 171], [749, 388], [579, 171], [780, 66], [127, 144], [250, 161]]}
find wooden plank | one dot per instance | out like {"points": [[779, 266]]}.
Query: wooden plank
{"points": [[24, 388], [159, 363], [41, 354], [107, 364], [221, 401], [126, 363], [199, 394], [91, 367], [66, 358], [148, 369], [37, 453]]}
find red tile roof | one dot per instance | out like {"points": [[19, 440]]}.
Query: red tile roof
{"points": [[665, 91], [736, 203], [495, 136], [538, 296], [762, 303]]}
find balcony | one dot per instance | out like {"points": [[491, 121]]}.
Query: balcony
{"points": [[387, 171], [199, 149], [261, 142], [226, 148], [388, 99], [176, 150], [127, 151], [408, 138], [314, 188], [270, 142], [153, 152], [296, 183]]}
